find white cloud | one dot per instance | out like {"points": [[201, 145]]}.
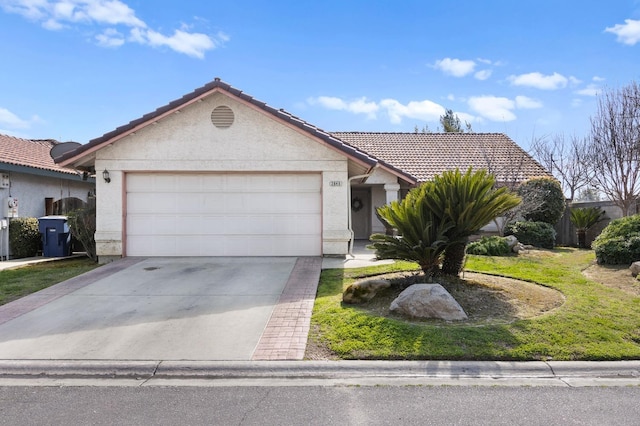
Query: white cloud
{"points": [[112, 12], [329, 102], [110, 38], [362, 106], [598, 79], [524, 102], [422, 110], [11, 120], [192, 44], [358, 106], [455, 67], [493, 108], [501, 109], [627, 33], [56, 12], [60, 14], [483, 74], [52, 25], [540, 81], [468, 118], [590, 90]]}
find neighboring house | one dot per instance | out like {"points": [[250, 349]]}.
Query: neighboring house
{"points": [[31, 182], [219, 173]]}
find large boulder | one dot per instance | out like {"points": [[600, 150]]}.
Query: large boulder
{"points": [[363, 291], [635, 269], [428, 301]]}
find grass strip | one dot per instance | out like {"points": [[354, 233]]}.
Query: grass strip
{"points": [[17, 283]]}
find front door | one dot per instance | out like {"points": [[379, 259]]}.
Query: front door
{"points": [[361, 213]]}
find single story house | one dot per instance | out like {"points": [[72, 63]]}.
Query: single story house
{"points": [[31, 182], [219, 173]]}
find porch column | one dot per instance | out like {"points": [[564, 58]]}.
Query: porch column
{"points": [[392, 190]]}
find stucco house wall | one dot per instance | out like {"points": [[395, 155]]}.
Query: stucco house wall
{"points": [[31, 192], [188, 142], [384, 189]]}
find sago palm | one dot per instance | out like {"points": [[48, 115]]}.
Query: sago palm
{"points": [[468, 202], [583, 219], [422, 234]]}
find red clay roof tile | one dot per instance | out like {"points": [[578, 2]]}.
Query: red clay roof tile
{"points": [[424, 155], [29, 153]]}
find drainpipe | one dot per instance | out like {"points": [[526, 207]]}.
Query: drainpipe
{"points": [[351, 233]]}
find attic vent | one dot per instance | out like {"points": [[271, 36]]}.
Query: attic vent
{"points": [[222, 117]]}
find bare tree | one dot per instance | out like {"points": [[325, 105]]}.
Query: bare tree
{"points": [[506, 165], [566, 160], [614, 145]]}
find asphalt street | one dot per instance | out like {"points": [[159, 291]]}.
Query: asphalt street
{"points": [[350, 405]]}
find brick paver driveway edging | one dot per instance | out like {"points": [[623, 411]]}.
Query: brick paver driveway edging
{"points": [[286, 333]]}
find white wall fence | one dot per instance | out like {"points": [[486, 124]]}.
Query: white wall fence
{"points": [[566, 231]]}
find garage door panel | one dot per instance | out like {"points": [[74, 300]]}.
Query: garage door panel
{"points": [[304, 203], [229, 215], [141, 203], [301, 225], [156, 245]]}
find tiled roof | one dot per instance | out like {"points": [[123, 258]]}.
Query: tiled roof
{"points": [[29, 153], [423, 155], [207, 89]]}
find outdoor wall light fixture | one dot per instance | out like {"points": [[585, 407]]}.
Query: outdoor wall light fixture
{"points": [[105, 176]]}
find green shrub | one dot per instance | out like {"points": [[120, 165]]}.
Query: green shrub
{"points": [[543, 200], [82, 223], [24, 237], [537, 234], [619, 242], [489, 246]]}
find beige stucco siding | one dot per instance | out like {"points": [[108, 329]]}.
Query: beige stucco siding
{"points": [[188, 142]]}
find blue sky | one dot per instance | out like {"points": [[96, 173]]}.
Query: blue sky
{"points": [[76, 69]]}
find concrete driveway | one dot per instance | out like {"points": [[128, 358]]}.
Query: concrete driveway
{"points": [[168, 309]]}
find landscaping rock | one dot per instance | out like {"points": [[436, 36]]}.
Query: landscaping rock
{"points": [[518, 248], [635, 269], [363, 291], [511, 240], [428, 301], [514, 245]]}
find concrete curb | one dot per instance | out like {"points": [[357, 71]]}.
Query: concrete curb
{"points": [[146, 370], [77, 369]]}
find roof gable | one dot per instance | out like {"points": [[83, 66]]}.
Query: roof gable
{"points": [[84, 154], [33, 153], [424, 155]]}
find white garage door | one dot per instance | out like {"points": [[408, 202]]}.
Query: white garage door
{"points": [[223, 214]]}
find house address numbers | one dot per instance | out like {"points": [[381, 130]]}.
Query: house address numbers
{"points": [[335, 183]]}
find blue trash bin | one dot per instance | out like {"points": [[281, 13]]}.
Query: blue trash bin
{"points": [[56, 237]]}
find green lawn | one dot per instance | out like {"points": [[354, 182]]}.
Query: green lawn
{"points": [[595, 323], [17, 283]]}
